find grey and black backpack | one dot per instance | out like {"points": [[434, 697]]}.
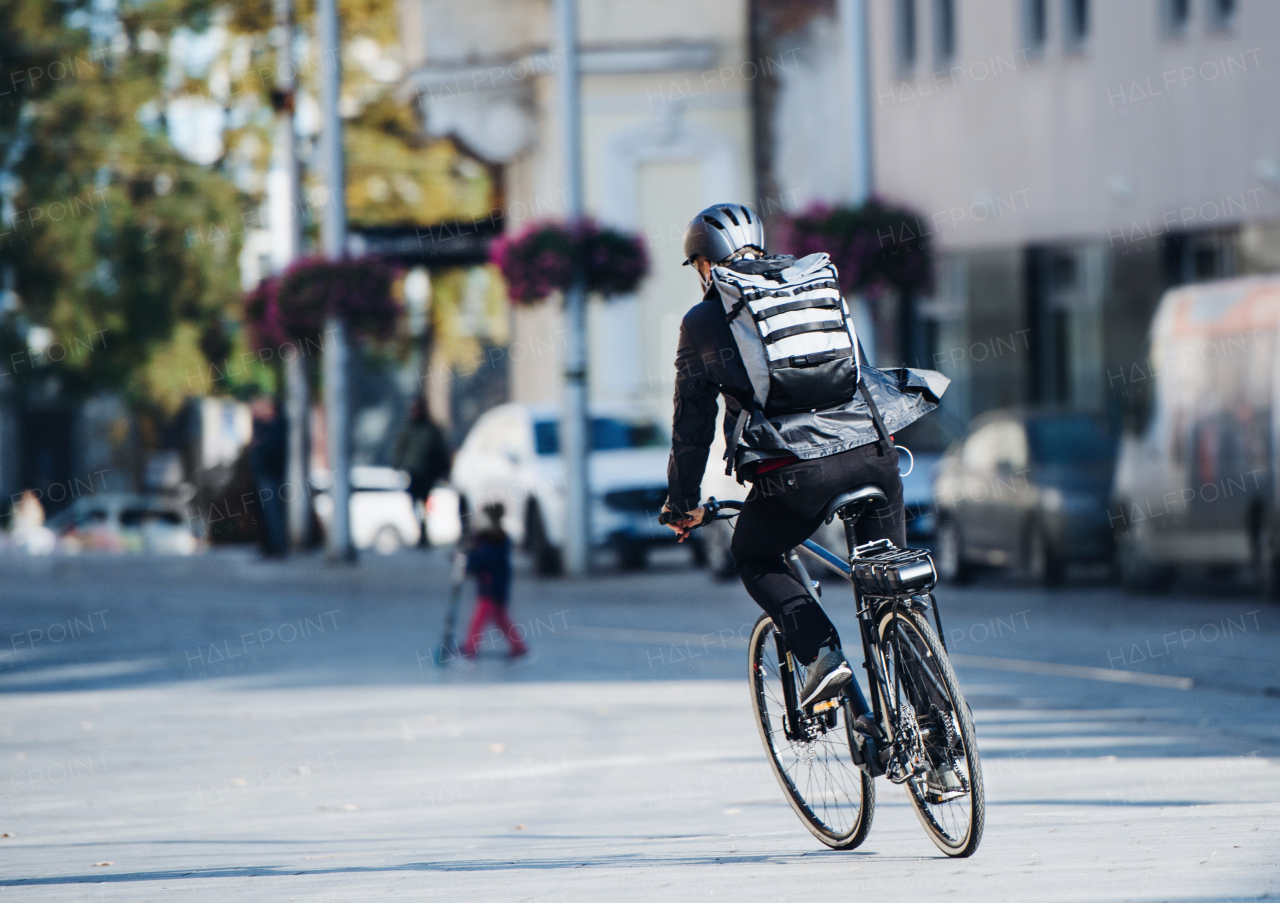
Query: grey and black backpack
{"points": [[793, 331], [796, 337]]}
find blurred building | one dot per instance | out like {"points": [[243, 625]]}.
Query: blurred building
{"points": [[667, 90], [1070, 159]]}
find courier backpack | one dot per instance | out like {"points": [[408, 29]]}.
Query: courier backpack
{"points": [[793, 331], [795, 335]]}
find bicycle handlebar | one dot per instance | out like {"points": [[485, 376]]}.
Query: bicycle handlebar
{"points": [[713, 510]]}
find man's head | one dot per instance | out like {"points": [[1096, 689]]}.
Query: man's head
{"points": [[720, 233]]}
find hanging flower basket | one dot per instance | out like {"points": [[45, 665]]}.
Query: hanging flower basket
{"points": [[294, 306], [262, 316], [541, 260], [876, 247]]}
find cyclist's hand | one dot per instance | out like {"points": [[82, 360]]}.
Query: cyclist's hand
{"points": [[683, 527]]}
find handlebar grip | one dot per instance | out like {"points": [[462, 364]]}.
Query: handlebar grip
{"points": [[666, 517]]}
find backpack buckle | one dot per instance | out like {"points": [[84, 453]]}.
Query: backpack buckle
{"points": [[812, 360]]}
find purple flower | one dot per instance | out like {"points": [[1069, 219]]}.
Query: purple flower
{"points": [[296, 304], [542, 259], [875, 247]]}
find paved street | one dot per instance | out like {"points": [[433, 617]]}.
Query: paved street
{"points": [[224, 728]]}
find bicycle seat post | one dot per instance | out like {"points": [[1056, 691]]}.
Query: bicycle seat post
{"points": [[850, 519]]}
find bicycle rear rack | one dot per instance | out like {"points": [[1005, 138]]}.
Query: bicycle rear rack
{"points": [[881, 568], [884, 573]]}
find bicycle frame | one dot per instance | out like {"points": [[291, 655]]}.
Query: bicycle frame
{"points": [[872, 655], [876, 678]]}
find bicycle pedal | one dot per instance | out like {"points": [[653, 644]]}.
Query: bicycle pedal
{"points": [[825, 706]]}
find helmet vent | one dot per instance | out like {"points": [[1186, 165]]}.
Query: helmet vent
{"points": [[729, 213], [714, 222]]}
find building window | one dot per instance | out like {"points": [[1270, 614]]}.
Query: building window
{"points": [[1077, 24], [906, 34], [944, 30], [1174, 16], [1222, 13], [1200, 257], [1035, 25]]}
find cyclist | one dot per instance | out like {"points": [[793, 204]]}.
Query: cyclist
{"points": [[796, 462]]}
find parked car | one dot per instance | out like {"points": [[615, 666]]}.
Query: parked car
{"points": [[124, 522], [444, 526], [1195, 480], [1025, 488], [382, 514], [512, 455]]}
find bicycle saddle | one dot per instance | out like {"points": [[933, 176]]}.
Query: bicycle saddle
{"points": [[859, 496]]}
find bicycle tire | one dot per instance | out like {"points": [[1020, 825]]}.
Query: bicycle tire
{"points": [[931, 680], [833, 785]]}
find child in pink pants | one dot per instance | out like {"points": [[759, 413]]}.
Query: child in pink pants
{"points": [[490, 561]]}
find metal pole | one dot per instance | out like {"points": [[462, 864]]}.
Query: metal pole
{"points": [[333, 234], [573, 432], [853, 33], [282, 200]]}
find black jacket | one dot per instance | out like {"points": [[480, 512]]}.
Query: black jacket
{"points": [[708, 365]]}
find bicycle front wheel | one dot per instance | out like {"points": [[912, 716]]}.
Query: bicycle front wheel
{"points": [[934, 751], [812, 760]]}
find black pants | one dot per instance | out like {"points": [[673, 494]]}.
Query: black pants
{"points": [[783, 509]]}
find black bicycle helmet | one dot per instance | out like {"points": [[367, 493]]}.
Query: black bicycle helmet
{"points": [[721, 230]]}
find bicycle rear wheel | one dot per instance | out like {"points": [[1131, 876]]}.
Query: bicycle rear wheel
{"points": [[935, 753], [814, 766]]}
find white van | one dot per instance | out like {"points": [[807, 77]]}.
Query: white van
{"points": [[1195, 477]]}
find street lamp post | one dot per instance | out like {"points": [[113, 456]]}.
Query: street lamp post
{"points": [[852, 25], [282, 201], [853, 32], [333, 233], [573, 431]]}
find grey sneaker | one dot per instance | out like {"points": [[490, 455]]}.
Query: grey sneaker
{"points": [[827, 677]]}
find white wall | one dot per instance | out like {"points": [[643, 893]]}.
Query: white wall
{"points": [[1136, 128]]}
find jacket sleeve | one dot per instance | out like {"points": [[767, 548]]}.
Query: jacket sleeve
{"points": [[693, 427]]}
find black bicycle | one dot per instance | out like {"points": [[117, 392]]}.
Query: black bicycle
{"points": [[917, 729]]}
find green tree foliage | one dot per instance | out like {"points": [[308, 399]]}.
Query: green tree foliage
{"points": [[112, 233]]}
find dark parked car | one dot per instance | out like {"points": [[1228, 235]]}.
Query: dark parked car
{"points": [[1025, 488]]}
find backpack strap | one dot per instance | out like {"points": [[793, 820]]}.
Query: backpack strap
{"points": [[786, 332], [884, 443], [802, 304], [731, 450]]}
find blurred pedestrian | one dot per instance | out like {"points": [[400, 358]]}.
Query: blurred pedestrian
{"points": [[422, 451], [267, 461], [29, 532], [489, 559]]}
